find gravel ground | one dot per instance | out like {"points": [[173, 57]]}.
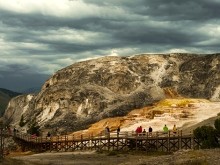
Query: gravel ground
{"points": [[188, 157]]}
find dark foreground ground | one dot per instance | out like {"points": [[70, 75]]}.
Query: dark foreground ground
{"points": [[183, 157]]}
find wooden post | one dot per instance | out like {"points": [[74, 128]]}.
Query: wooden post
{"points": [[136, 145], [157, 140], [109, 141], [192, 140], [73, 143], [117, 139], [1, 144], [91, 142], [58, 143], [81, 142], [40, 145], [147, 140], [168, 141], [99, 142], [178, 139], [181, 139], [50, 143], [126, 141], [65, 143]]}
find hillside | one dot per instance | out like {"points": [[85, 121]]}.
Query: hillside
{"points": [[5, 97], [186, 113], [88, 91]]}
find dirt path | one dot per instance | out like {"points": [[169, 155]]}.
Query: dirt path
{"points": [[189, 157]]}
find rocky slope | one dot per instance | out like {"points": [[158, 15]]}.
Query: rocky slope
{"points": [[187, 114], [5, 96], [88, 91]]}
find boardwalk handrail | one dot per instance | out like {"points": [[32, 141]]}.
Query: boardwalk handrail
{"points": [[125, 134], [125, 140]]}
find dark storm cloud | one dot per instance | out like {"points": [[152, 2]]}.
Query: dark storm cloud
{"points": [[31, 27], [121, 33], [169, 9], [52, 37], [198, 10], [21, 81], [20, 78]]}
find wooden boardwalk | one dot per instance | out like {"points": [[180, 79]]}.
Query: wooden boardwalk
{"points": [[124, 141]]}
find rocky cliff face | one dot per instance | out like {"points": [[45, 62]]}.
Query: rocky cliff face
{"points": [[88, 91], [5, 97]]}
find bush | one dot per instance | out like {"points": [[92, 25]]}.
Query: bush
{"points": [[34, 129], [22, 123], [217, 126], [207, 135], [112, 153], [195, 162]]}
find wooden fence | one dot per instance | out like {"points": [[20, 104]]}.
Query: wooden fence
{"points": [[123, 141]]}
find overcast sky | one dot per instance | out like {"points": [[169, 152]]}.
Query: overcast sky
{"points": [[39, 37]]}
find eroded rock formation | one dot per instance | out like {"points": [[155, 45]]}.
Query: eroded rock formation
{"points": [[88, 91]]}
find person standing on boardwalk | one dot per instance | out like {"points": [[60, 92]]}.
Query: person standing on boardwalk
{"points": [[137, 130], [14, 131], [118, 130], [165, 129], [174, 129], [150, 130], [140, 129], [9, 130], [107, 131], [48, 134]]}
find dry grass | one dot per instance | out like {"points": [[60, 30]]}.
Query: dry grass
{"points": [[182, 102]]}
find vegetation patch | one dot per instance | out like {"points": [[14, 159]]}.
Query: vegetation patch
{"points": [[34, 129], [22, 123], [195, 162], [112, 153], [208, 135], [179, 102], [133, 152]]}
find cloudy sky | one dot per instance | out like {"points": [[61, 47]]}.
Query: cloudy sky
{"points": [[39, 37]]}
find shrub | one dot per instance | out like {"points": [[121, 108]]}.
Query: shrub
{"points": [[22, 123], [34, 129], [217, 125], [207, 135], [112, 153]]}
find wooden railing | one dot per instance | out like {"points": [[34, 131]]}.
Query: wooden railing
{"points": [[127, 134], [160, 141]]}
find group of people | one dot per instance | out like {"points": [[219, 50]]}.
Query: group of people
{"points": [[107, 130], [9, 130], [166, 129], [140, 131]]}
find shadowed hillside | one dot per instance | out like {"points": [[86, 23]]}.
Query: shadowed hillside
{"points": [[5, 97], [86, 92]]}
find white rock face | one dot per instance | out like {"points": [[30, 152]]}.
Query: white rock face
{"points": [[17, 107], [88, 91], [216, 94], [47, 113], [198, 113]]}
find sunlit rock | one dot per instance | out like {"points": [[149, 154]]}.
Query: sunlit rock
{"points": [[86, 92]]}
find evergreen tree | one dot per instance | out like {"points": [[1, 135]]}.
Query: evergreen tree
{"points": [[207, 135], [217, 126], [22, 123]]}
